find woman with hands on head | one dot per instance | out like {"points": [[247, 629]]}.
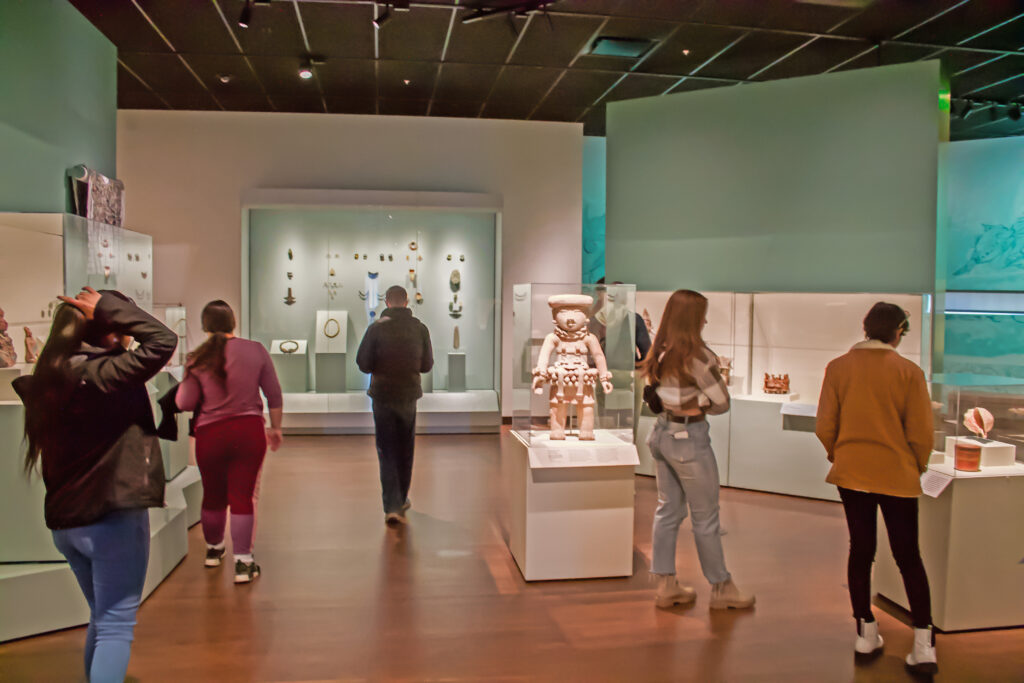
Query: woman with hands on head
{"points": [[223, 379], [89, 421]]}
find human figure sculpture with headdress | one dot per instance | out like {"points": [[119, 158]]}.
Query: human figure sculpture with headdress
{"points": [[571, 376], [8, 356]]}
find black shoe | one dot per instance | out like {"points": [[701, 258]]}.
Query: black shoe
{"points": [[246, 572], [214, 556]]}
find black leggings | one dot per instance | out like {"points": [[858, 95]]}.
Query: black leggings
{"points": [[900, 515]]}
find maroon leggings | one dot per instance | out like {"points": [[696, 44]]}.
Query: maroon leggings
{"points": [[230, 454]]}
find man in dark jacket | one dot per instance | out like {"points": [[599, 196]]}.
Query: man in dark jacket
{"points": [[394, 351]]}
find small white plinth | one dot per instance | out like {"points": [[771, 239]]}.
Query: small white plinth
{"points": [[993, 453], [456, 371], [970, 539], [768, 398], [8, 375], [570, 506], [290, 365], [331, 332]]}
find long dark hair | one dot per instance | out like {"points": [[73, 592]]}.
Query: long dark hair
{"points": [[53, 381], [679, 336], [219, 320]]}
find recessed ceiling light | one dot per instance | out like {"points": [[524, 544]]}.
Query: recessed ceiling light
{"points": [[306, 73], [246, 16], [406, 81], [225, 78], [686, 53]]}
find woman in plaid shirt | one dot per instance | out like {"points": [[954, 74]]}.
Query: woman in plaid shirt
{"points": [[690, 386]]}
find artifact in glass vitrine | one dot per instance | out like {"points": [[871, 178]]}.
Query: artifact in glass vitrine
{"points": [[647, 322], [979, 421], [8, 356], [571, 377], [967, 455], [725, 367], [290, 299], [972, 453], [776, 384], [32, 346], [371, 295], [455, 338]]}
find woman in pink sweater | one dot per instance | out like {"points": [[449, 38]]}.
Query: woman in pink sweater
{"points": [[223, 379]]}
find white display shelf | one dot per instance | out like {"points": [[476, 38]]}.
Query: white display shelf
{"points": [[768, 398]]}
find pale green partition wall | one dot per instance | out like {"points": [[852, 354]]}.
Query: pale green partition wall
{"points": [[824, 183], [58, 102]]}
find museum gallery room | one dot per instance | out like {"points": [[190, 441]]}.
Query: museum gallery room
{"points": [[511, 340]]}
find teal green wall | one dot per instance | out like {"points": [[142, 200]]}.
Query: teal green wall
{"points": [[594, 207], [824, 183], [58, 102]]}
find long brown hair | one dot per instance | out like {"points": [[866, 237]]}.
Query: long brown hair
{"points": [[219, 320], [53, 381], [679, 336]]}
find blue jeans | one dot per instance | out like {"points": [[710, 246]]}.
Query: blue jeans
{"points": [[687, 476], [109, 559], [395, 432]]}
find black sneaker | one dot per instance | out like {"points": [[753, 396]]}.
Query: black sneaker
{"points": [[246, 572], [214, 556]]}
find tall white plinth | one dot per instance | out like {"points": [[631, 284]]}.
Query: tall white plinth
{"points": [[972, 543], [570, 506]]}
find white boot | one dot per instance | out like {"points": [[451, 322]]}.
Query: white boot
{"points": [[726, 595], [670, 593], [921, 659], [869, 642]]}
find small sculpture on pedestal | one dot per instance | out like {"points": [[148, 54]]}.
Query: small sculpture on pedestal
{"points": [[725, 367], [776, 384], [8, 356], [32, 346], [571, 377]]}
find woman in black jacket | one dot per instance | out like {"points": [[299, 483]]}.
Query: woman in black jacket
{"points": [[88, 418]]}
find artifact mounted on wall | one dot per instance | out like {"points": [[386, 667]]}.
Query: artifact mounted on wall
{"points": [[571, 376], [455, 280], [290, 299], [979, 421], [95, 196], [776, 384], [419, 298], [454, 307], [32, 346], [455, 338], [8, 356], [292, 256]]}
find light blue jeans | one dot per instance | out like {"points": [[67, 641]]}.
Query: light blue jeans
{"points": [[687, 476], [109, 559]]}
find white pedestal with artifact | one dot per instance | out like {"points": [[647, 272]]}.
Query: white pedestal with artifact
{"points": [[290, 363], [331, 346]]}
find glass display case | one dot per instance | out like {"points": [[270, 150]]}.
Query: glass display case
{"points": [[317, 278], [108, 257], [176, 318], [983, 335], [574, 356], [979, 424]]}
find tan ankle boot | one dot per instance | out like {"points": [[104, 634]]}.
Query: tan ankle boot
{"points": [[670, 593], [726, 595]]}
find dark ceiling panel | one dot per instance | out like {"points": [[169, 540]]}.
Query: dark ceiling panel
{"points": [[483, 42], [814, 58], [594, 121], [339, 30], [299, 105], [244, 99], [901, 54], [555, 40], [1008, 37], [210, 68], [464, 110], [693, 84], [752, 54], [521, 84], [391, 77], [350, 105], [415, 35], [123, 24], [885, 19], [466, 82], [688, 49], [988, 75], [273, 31], [162, 72], [576, 91], [671, 10], [280, 78], [403, 107], [138, 99], [569, 113], [348, 79], [190, 25], [784, 14], [636, 85], [646, 29], [968, 20]]}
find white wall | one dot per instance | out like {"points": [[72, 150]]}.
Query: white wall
{"points": [[185, 173]]}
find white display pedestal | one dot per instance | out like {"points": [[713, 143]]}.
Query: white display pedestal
{"points": [[291, 367], [993, 453], [331, 346], [765, 456], [456, 371], [8, 375], [972, 543], [570, 506]]}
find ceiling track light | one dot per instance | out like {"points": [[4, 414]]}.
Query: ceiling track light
{"points": [[1013, 112], [246, 16], [306, 70], [519, 10]]}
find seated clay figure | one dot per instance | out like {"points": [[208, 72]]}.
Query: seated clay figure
{"points": [[32, 346], [571, 377], [8, 356]]}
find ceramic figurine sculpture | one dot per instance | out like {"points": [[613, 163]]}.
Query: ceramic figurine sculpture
{"points": [[979, 421], [571, 377], [8, 356], [32, 346], [725, 367], [776, 384]]}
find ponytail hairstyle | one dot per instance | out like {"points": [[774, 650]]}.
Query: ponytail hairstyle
{"points": [[53, 381], [679, 338], [218, 320]]}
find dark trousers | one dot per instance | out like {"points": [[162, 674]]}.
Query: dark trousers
{"points": [[395, 430], [900, 515]]}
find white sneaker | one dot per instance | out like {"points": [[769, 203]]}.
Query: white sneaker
{"points": [[921, 659], [869, 642], [671, 593]]}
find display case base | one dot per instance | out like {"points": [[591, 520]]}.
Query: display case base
{"points": [[993, 453], [330, 373], [37, 598], [569, 511], [440, 412], [970, 539]]}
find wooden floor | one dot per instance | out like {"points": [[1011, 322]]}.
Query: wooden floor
{"points": [[342, 598]]}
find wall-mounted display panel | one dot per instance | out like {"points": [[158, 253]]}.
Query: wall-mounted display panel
{"points": [[984, 335], [108, 257]]}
